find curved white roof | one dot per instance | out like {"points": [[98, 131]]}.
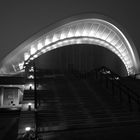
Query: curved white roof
{"points": [[87, 29]]}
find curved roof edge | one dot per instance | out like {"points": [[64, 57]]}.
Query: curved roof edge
{"points": [[13, 56]]}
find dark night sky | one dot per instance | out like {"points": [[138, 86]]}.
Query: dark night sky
{"points": [[19, 19]]}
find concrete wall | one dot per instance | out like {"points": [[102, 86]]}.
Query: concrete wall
{"points": [[10, 96]]}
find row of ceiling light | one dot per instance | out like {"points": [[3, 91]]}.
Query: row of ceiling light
{"points": [[49, 44]]}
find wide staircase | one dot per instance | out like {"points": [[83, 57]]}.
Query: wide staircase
{"points": [[9, 119], [89, 106]]}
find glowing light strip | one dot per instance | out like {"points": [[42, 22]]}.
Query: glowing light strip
{"points": [[39, 46], [102, 32], [88, 41], [26, 56], [33, 50]]}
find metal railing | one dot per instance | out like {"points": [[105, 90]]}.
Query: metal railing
{"points": [[113, 81]]}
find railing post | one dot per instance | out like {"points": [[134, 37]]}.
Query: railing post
{"points": [[116, 84], [35, 92], [35, 88]]}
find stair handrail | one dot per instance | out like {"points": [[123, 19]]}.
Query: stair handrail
{"points": [[116, 81]]}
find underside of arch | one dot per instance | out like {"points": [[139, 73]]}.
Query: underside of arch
{"points": [[80, 57], [89, 30]]}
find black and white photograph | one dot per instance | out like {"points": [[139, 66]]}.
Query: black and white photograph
{"points": [[69, 70]]}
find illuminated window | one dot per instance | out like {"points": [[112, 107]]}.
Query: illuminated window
{"points": [[47, 41], [27, 128], [31, 77], [33, 50], [26, 56], [39, 46], [30, 86], [29, 106], [21, 65], [35, 56], [54, 39], [31, 69]]}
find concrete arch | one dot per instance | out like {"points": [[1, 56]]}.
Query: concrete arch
{"points": [[83, 29]]}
